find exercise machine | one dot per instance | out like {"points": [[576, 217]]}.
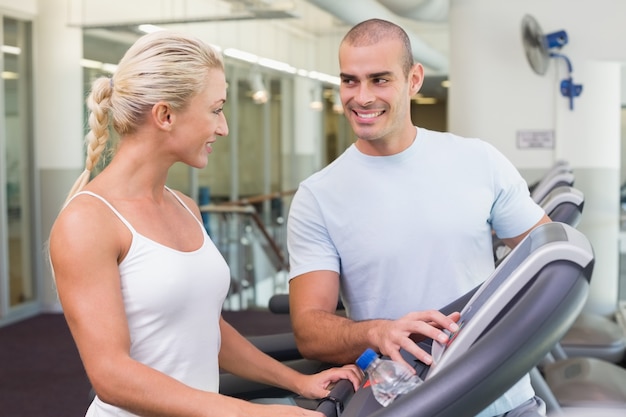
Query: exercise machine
{"points": [[510, 323]]}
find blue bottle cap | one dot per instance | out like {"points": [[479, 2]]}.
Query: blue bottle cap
{"points": [[366, 358]]}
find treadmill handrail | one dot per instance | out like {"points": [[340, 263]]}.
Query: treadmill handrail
{"points": [[575, 249]]}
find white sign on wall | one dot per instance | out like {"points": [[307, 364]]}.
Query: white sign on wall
{"points": [[535, 139]]}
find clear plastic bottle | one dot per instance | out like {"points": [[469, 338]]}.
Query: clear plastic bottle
{"points": [[388, 378]]}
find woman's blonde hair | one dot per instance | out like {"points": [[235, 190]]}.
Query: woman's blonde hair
{"points": [[161, 66]]}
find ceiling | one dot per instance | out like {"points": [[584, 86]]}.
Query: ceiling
{"points": [[425, 21]]}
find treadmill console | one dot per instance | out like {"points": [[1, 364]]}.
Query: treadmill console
{"points": [[542, 285]]}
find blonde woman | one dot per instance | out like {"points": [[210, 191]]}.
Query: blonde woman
{"points": [[140, 282]]}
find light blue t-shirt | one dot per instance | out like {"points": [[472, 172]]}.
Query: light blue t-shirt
{"points": [[411, 231]]}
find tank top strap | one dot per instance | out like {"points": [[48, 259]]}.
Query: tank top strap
{"points": [[184, 205], [113, 209]]}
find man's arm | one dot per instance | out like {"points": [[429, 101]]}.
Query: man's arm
{"points": [[320, 333], [514, 241], [323, 335]]}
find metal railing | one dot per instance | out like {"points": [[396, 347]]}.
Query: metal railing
{"points": [[254, 246]]}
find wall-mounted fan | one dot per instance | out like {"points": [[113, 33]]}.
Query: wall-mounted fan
{"points": [[540, 48]]}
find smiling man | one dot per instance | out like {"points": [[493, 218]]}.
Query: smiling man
{"points": [[401, 223]]}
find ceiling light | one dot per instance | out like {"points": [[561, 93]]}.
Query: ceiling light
{"points": [[10, 75], [260, 94], [425, 100], [316, 98], [277, 65], [337, 106], [324, 77], [241, 55], [13, 50], [90, 63], [149, 28], [97, 65]]}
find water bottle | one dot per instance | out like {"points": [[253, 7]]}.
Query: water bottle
{"points": [[388, 378]]}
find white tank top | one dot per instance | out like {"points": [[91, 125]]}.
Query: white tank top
{"points": [[173, 303]]}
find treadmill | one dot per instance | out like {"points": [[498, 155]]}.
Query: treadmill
{"points": [[508, 325], [556, 178], [591, 335]]}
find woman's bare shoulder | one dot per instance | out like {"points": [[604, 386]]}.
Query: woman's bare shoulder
{"points": [[83, 224]]}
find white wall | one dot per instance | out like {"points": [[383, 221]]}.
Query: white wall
{"points": [[59, 89], [495, 93]]}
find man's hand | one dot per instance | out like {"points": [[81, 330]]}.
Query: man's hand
{"points": [[389, 336]]}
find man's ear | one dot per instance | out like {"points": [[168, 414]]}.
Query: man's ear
{"points": [[416, 78], [162, 115]]}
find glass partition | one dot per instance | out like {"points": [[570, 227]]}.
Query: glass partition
{"points": [[16, 152]]}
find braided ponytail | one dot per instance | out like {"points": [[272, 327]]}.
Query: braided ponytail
{"points": [[99, 103], [161, 66]]}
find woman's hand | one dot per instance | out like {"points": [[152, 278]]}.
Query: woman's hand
{"points": [[319, 385]]}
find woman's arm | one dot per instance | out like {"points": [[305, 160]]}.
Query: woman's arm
{"points": [[242, 358]]}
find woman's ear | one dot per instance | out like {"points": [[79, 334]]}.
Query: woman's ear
{"points": [[162, 115]]}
